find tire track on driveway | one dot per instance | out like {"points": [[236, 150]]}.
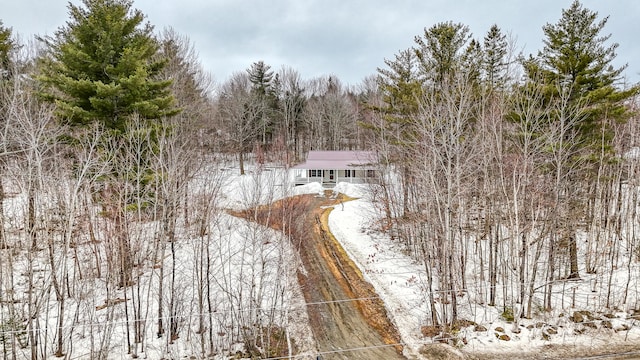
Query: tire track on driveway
{"points": [[343, 328]]}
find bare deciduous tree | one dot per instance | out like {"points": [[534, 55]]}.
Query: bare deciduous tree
{"points": [[240, 113]]}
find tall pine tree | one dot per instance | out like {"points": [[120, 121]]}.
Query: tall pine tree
{"points": [[103, 67], [494, 64], [263, 93], [584, 96], [441, 51], [577, 59]]}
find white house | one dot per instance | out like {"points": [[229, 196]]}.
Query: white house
{"points": [[331, 167]]}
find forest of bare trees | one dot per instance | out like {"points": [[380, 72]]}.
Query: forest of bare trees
{"points": [[511, 175], [505, 176]]}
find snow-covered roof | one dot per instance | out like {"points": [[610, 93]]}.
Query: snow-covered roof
{"points": [[337, 160]]}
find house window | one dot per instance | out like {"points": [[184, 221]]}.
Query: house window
{"points": [[349, 173], [315, 173], [371, 173]]}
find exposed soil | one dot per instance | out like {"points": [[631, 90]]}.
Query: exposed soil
{"points": [[343, 328]]}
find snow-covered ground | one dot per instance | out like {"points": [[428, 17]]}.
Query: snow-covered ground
{"points": [[240, 245], [399, 280], [250, 271]]}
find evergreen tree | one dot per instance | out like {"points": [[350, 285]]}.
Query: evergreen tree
{"points": [[471, 63], [441, 50], [494, 64], [584, 98], [577, 59], [264, 95], [260, 75], [103, 67], [7, 46], [400, 85], [402, 90]]}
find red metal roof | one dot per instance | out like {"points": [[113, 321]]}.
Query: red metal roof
{"points": [[337, 160]]}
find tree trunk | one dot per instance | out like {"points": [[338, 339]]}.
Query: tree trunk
{"points": [[241, 161], [532, 278], [523, 265], [160, 331], [31, 218], [493, 266], [3, 243], [550, 275], [573, 257], [60, 297], [124, 248]]}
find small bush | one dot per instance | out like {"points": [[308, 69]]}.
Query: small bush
{"points": [[507, 314]]}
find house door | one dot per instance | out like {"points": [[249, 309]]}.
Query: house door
{"points": [[331, 173]]}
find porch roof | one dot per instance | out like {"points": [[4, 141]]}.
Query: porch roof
{"points": [[339, 160]]}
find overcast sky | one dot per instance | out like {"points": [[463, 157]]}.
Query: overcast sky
{"points": [[345, 38]]}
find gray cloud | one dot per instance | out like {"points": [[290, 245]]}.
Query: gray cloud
{"points": [[348, 38]]}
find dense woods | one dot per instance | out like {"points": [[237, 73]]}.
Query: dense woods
{"points": [[506, 175]]}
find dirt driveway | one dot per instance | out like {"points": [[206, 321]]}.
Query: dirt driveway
{"points": [[342, 327]]}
